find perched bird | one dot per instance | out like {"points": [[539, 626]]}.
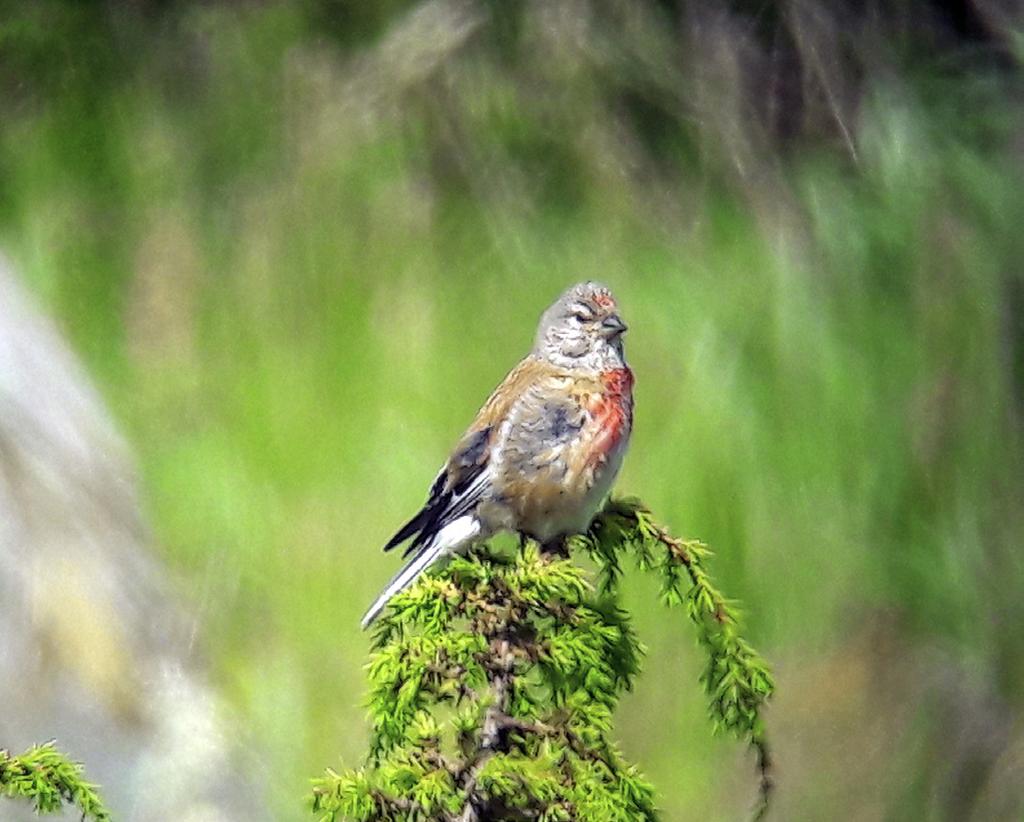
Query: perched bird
{"points": [[543, 451]]}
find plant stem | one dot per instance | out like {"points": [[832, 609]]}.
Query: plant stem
{"points": [[495, 719]]}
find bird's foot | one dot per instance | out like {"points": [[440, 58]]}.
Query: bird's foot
{"points": [[557, 548]]}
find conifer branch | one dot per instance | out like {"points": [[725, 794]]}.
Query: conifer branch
{"points": [[49, 780], [736, 678], [494, 681]]}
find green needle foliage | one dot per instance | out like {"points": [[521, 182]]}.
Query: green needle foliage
{"points": [[736, 678], [494, 681], [49, 780]]}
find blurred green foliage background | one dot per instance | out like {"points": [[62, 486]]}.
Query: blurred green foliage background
{"points": [[298, 244]]}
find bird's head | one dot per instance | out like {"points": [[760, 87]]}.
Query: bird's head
{"points": [[582, 328]]}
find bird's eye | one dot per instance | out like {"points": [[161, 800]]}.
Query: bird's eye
{"points": [[581, 317]]}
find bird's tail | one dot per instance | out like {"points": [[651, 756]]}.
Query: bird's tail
{"points": [[453, 536]]}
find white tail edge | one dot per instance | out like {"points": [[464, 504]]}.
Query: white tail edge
{"points": [[451, 538]]}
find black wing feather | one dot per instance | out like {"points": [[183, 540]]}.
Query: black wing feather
{"points": [[447, 500], [418, 522]]}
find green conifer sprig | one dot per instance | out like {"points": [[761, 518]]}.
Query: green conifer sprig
{"points": [[493, 684], [736, 678], [494, 681], [49, 780]]}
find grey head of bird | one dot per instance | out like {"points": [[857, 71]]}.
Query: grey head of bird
{"points": [[582, 329]]}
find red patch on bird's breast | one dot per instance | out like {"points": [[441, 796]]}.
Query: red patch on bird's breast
{"points": [[618, 382], [613, 409]]}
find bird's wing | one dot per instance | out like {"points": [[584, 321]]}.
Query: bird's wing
{"points": [[464, 478]]}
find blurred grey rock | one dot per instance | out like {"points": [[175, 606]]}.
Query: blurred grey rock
{"points": [[94, 651]]}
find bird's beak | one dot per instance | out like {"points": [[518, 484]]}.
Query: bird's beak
{"points": [[612, 326]]}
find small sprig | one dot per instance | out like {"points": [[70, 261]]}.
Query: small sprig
{"points": [[736, 678], [49, 780]]}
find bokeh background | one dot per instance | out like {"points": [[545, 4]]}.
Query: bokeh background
{"points": [[294, 246]]}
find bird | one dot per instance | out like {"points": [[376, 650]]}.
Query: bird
{"points": [[543, 451]]}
